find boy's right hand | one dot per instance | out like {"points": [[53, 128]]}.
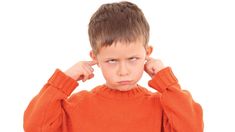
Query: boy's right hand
{"points": [[81, 71]]}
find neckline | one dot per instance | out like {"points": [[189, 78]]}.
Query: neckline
{"points": [[106, 92]]}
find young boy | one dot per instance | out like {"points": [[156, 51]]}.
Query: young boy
{"points": [[119, 36]]}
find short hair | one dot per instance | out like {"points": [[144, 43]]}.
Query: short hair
{"points": [[117, 22]]}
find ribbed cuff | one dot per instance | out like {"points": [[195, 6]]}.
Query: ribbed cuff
{"points": [[163, 79], [63, 82]]}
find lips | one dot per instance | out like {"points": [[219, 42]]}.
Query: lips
{"points": [[125, 82]]}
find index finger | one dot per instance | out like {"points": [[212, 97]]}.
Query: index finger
{"points": [[91, 63]]}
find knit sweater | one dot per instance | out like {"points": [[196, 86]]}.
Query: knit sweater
{"points": [[103, 109]]}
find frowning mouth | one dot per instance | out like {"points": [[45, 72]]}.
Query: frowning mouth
{"points": [[125, 82]]}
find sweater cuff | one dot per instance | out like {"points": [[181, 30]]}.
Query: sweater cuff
{"points": [[163, 79], [63, 82]]}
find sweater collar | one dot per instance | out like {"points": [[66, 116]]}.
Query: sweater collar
{"points": [[107, 92]]}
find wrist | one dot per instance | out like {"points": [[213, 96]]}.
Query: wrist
{"points": [[70, 74]]}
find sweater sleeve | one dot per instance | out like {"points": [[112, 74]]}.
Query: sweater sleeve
{"points": [[180, 112], [45, 111]]}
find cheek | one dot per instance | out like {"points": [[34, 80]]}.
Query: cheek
{"points": [[139, 65], [107, 71], [138, 69]]}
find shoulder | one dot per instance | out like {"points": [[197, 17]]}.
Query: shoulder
{"points": [[79, 96], [153, 97], [82, 95], [150, 94]]}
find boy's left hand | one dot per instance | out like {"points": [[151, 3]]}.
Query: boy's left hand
{"points": [[152, 66]]}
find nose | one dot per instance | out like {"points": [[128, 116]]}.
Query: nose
{"points": [[123, 69]]}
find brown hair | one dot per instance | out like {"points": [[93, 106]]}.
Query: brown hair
{"points": [[114, 22]]}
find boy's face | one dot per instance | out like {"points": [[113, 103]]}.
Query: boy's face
{"points": [[122, 65]]}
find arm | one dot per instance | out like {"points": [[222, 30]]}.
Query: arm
{"points": [[45, 111], [181, 112]]}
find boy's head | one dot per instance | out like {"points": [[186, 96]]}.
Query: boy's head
{"points": [[117, 22], [119, 35]]}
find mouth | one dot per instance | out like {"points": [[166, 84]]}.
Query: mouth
{"points": [[125, 82]]}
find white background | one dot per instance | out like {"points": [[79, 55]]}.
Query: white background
{"points": [[195, 38]]}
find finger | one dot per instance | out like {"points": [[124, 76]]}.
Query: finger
{"points": [[154, 71], [84, 73], [150, 70], [90, 76], [91, 63], [80, 77], [150, 73], [147, 58], [87, 69], [86, 76], [90, 68]]}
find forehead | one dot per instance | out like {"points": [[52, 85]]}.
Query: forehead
{"points": [[120, 49]]}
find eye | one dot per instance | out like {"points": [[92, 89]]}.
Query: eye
{"points": [[133, 58], [111, 61]]}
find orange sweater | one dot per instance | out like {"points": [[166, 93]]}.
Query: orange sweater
{"points": [[107, 110]]}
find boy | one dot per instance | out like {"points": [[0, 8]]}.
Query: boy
{"points": [[119, 36]]}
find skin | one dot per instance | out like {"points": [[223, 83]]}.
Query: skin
{"points": [[119, 62]]}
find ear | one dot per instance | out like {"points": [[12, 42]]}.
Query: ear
{"points": [[93, 57], [149, 50]]}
